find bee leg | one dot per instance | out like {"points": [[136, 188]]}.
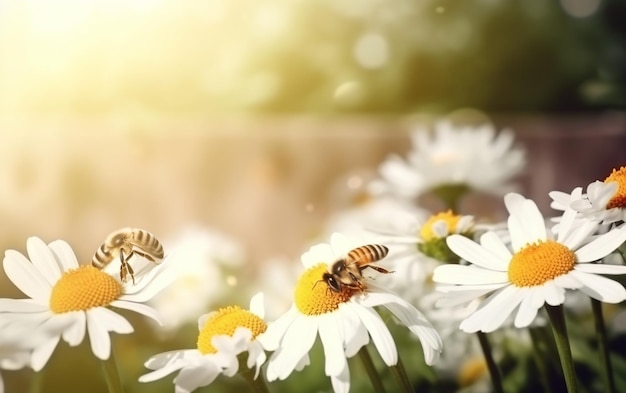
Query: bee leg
{"points": [[380, 269], [147, 256], [130, 270], [358, 286], [125, 267]]}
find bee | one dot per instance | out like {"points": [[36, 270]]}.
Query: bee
{"points": [[347, 272], [127, 242]]}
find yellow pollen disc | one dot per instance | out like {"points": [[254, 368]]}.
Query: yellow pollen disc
{"points": [[83, 288], [471, 370], [314, 297], [450, 219], [540, 262], [224, 322], [619, 199]]}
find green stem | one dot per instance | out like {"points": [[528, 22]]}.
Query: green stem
{"points": [[539, 350], [111, 374], [258, 385], [451, 194], [366, 359], [496, 378], [399, 373], [607, 370], [559, 329], [36, 382]]}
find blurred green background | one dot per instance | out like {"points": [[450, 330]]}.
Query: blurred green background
{"points": [[327, 56]]}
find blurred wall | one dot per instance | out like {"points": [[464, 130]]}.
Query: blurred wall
{"points": [[270, 183]]}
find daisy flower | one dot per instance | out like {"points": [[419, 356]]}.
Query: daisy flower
{"points": [[223, 336], [604, 201], [200, 261], [538, 270], [418, 245], [344, 320], [459, 157], [67, 300]]}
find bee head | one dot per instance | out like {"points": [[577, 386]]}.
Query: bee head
{"points": [[332, 282]]}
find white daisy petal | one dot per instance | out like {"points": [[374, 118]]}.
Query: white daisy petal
{"points": [[474, 253], [333, 346], [494, 311], [600, 268], [26, 276], [163, 371], [297, 341], [64, 254], [526, 223], [492, 242], [341, 244], [165, 358], [21, 305], [276, 330], [139, 308], [554, 294], [580, 234], [110, 320], [191, 378], [463, 295], [42, 353], [568, 281], [255, 351], [43, 259], [602, 246], [257, 305], [321, 253], [601, 288], [418, 325], [560, 200], [528, 308], [149, 287], [98, 337], [75, 333], [354, 331], [468, 275], [380, 335], [341, 382], [568, 217]]}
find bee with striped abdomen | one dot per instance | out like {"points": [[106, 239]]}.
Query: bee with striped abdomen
{"points": [[347, 272], [125, 243]]}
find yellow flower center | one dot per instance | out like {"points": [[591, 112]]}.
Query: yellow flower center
{"points": [[83, 288], [472, 370], [619, 199], [451, 220], [314, 297], [540, 262], [224, 322]]}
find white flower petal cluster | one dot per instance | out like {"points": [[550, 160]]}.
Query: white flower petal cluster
{"points": [[345, 330], [197, 369], [491, 259], [476, 157], [37, 275]]}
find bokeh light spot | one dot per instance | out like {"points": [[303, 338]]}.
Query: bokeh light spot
{"points": [[371, 51]]}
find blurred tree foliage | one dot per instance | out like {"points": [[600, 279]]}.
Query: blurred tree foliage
{"points": [[329, 56]]}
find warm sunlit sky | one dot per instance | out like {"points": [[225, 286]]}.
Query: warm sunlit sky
{"points": [[213, 56]]}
